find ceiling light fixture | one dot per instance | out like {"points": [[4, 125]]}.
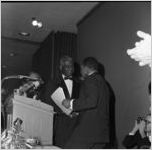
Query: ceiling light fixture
{"points": [[36, 23], [12, 54], [24, 34], [39, 25], [4, 66]]}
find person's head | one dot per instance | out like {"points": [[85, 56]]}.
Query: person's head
{"points": [[34, 75], [66, 65], [89, 64]]}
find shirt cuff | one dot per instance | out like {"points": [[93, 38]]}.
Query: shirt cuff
{"points": [[131, 133], [71, 104]]}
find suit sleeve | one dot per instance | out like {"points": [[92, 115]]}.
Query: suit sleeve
{"points": [[89, 98], [49, 89]]}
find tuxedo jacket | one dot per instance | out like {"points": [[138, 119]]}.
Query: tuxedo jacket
{"points": [[93, 108], [52, 85], [63, 124]]}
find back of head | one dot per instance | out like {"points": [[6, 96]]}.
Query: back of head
{"points": [[91, 63]]}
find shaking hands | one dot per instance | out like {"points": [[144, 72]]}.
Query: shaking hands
{"points": [[66, 103]]}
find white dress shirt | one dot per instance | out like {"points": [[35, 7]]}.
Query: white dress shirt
{"points": [[69, 84]]}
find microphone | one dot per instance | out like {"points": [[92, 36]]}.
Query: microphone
{"points": [[9, 77], [22, 77], [19, 77], [27, 77]]}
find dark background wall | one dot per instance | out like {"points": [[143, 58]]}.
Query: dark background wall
{"points": [[106, 34], [20, 62]]}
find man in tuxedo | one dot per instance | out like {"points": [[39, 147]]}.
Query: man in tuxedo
{"points": [[92, 130], [63, 124]]}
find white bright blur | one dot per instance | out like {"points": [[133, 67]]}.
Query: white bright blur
{"points": [[142, 50], [34, 22]]}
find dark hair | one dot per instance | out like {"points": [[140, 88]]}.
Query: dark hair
{"points": [[91, 63], [65, 58], [149, 88]]}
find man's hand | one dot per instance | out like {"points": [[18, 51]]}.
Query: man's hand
{"points": [[142, 126], [135, 129], [66, 103]]}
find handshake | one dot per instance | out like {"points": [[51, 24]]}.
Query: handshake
{"points": [[66, 103]]}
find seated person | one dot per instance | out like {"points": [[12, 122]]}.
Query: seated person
{"points": [[15, 83], [35, 93], [139, 137]]}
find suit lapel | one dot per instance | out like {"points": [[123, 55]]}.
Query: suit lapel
{"points": [[73, 89], [64, 87], [92, 75]]}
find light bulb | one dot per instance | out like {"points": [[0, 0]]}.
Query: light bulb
{"points": [[34, 23], [39, 24]]}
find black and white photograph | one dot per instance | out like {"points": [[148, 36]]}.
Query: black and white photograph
{"points": [[76, 74]]}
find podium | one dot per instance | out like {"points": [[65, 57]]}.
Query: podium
{"points": [[37, 118]]}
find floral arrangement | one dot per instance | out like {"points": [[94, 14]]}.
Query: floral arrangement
{"points": [[13, 139]]}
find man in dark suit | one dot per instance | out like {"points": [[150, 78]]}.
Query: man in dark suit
{"points": [[92, 130], [63, 125]]}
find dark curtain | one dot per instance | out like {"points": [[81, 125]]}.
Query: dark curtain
{"points": [[46, 59]]}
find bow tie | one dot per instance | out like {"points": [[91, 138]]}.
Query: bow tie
{"points": [[68, 78]]}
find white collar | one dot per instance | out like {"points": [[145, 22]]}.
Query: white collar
{"points": [[63, 76], [91, 73]]}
